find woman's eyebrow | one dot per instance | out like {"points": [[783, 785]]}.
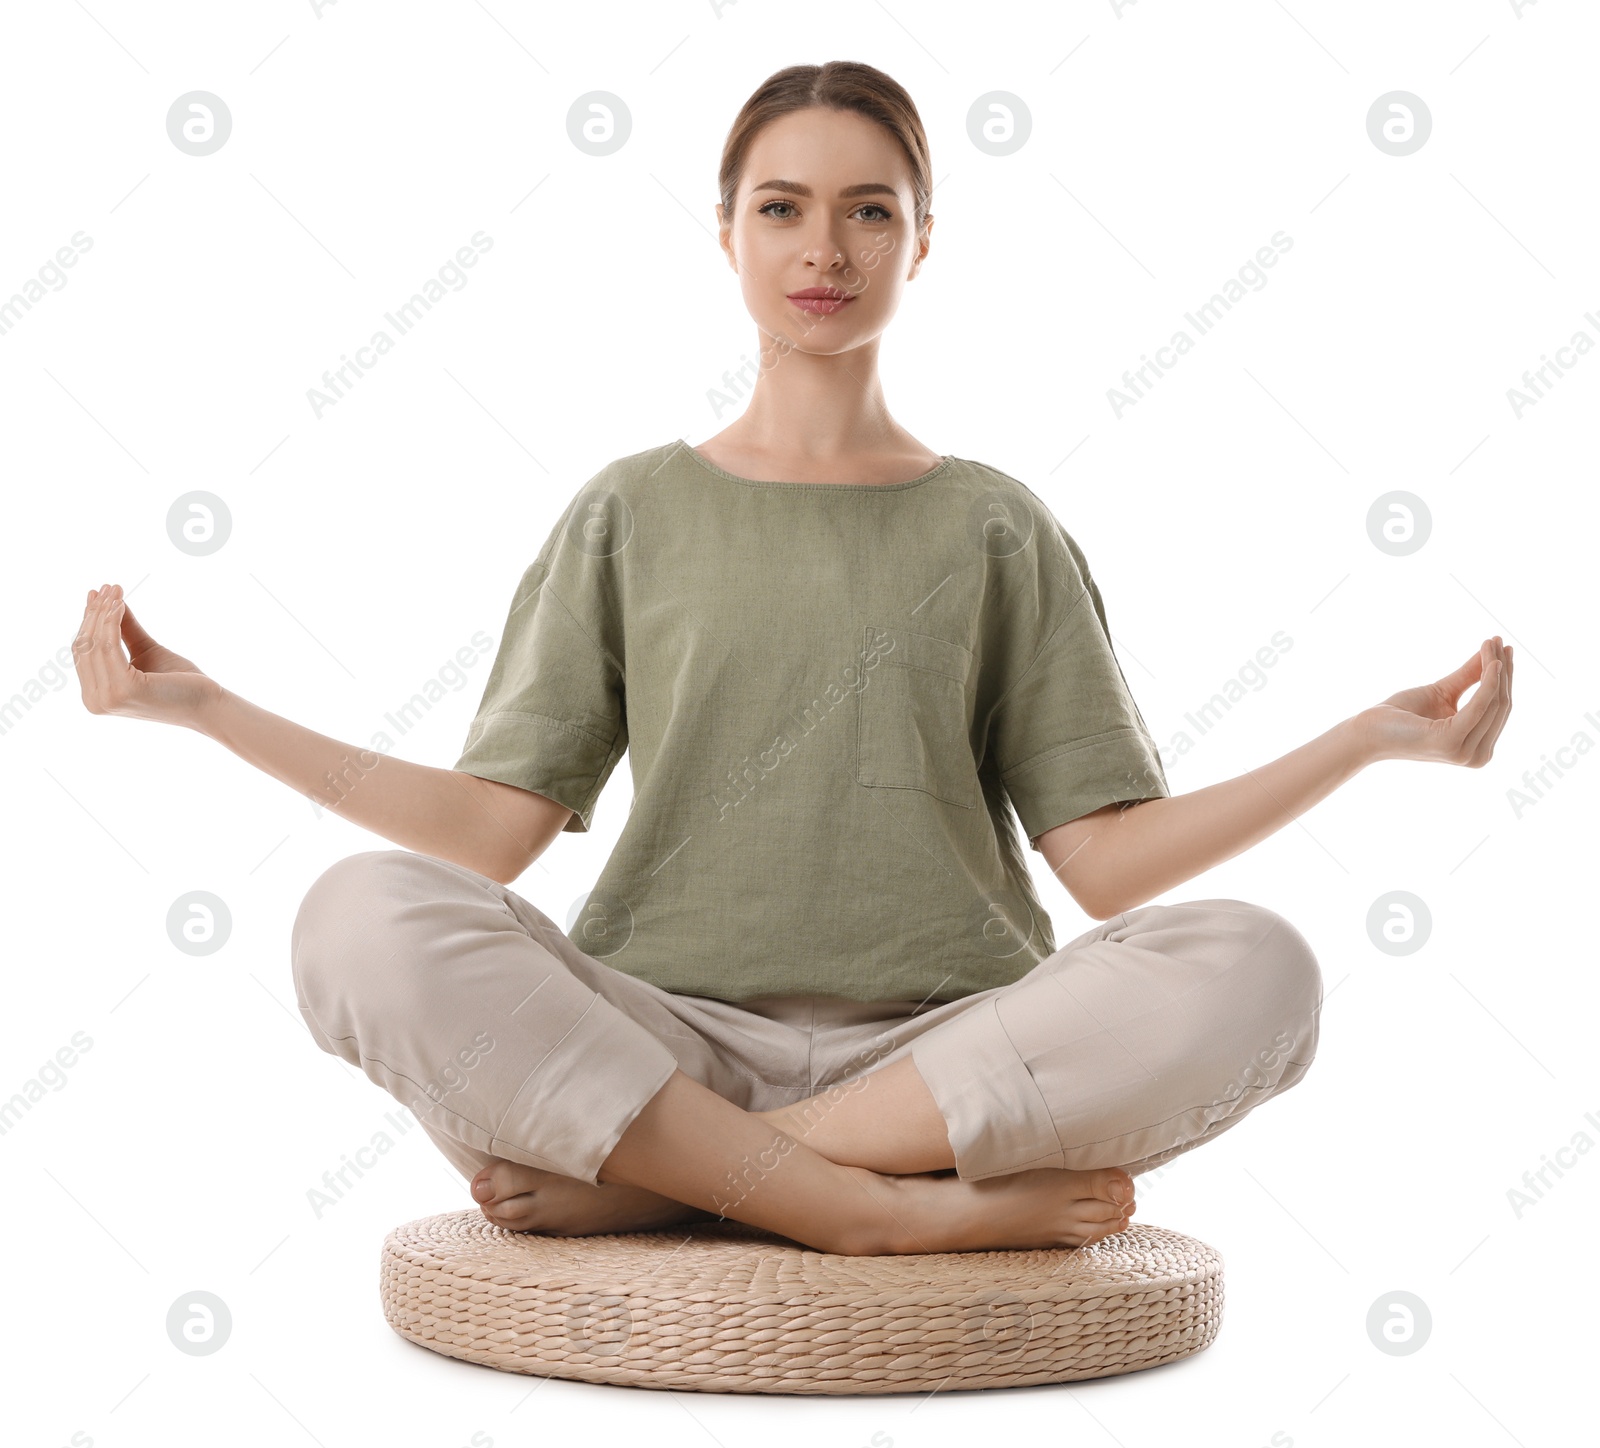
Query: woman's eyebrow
{"points": [[799, 188]]}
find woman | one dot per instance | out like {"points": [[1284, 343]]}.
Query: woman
{"points": [[813, 988]]}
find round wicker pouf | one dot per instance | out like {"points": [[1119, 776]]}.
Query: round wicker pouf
{"points": [[721, 1307]]}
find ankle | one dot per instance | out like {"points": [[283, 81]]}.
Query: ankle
{"points": [[884, 1224], [865, 1239]]}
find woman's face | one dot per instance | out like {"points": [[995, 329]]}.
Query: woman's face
{"points": [[824, 201]]}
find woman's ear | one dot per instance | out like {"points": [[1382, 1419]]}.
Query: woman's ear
{"points": [[725, 236], [921, 251]]}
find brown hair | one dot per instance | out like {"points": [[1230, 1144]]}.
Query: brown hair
{"points": [[841, 85]]}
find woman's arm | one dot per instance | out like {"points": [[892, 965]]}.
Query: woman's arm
{"points": [[1124, 855], [493, 828]]}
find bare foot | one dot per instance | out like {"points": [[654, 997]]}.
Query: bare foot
{"points": [[526, 1199], [1041, 1207]]}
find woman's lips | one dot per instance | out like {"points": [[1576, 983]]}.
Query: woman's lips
{"points": [[821, 300]]}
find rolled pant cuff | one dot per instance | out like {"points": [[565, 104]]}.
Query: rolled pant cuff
{"points": [[573, 1108], [995, 1115]]}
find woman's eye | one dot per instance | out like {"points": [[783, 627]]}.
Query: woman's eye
{"points": [[882, 216]]}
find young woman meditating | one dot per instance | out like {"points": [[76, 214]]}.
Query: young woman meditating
{"points": [[813, 988]]}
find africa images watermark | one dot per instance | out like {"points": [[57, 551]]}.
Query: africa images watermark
{"points": [[1537, 783], [403, 719], [336, 1184], [52, 1075], [52, 276], [1248, 679], [335, 381], [51, 677], [1537, 381], [452, 1077], [1535, 1184], [1136, 384], [744, 1180], [743, 780]]}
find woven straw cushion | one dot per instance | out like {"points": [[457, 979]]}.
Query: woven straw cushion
{"points": [[727, 1308]]}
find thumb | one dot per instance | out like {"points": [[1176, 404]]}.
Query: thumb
{"points": [[1469, 673], [133, 632]]}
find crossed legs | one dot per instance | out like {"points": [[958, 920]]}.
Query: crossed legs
{"points": [[578, 1105], [690, 1154]]}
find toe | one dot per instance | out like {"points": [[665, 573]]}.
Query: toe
{"points": [[517, 1214], [517, 1211], [491, 1185], [500, 1181], [1112, 1184], [1093, 1209]]}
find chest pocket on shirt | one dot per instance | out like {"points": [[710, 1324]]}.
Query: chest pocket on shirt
{"points": [[911, 717]]}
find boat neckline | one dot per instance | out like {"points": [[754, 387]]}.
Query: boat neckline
{"points": [[945, 460]]}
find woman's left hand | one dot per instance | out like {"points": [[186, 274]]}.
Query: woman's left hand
{"points": [[1424, 723]]}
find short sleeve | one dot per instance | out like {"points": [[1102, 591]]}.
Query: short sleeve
{"points": [[553, 718], [1067, 735]]}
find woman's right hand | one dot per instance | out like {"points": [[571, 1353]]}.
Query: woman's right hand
{"points": [[148, 680]]}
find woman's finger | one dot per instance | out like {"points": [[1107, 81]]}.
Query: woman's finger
{"points": [[107, 659], [85, 649], [1475, 711], [1483, 727], [80, 641], [1456, 684], [1502, 710], [134, 633], [93, 651]]}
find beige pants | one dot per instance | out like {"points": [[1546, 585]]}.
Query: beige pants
{"points": [[1142, 1038]]}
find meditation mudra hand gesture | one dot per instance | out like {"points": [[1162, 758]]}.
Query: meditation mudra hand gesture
{"points": [[123, 670], [1428, 723], [814, 988]]}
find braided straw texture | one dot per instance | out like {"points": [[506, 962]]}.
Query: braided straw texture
{"points": [[722, 1307]]}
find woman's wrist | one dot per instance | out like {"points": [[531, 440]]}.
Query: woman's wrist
{"points": [[1365, 741], [207, 717]]}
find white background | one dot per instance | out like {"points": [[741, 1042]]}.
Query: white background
{"points": [[1168, 144]]}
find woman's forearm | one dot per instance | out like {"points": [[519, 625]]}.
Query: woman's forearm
{"points": [[1138, 851], [437, 812]]}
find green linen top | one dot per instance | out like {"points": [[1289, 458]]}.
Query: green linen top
{"points": [[831, 696]]}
